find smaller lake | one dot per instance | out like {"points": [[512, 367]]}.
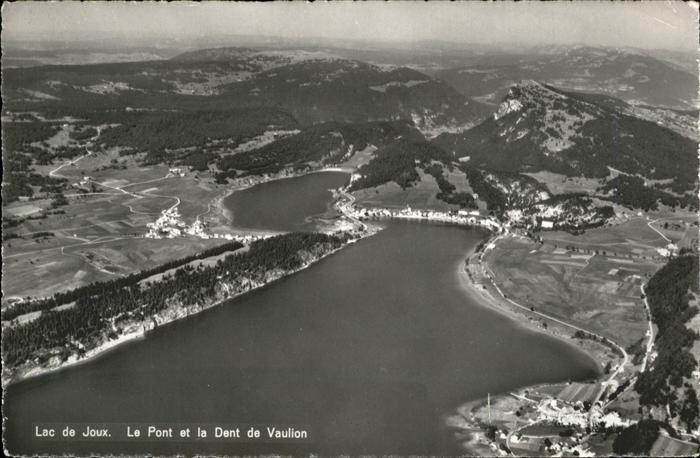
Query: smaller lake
{"points": [[290, 204]]}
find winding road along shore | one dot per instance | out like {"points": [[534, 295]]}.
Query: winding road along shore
{"points": [[529, 311]]}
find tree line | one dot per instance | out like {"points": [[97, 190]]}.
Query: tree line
{"points": [[447, 190], [668, 294], [93, 288], [397, 162], [631, 191], [104, 305], [326, 143]]}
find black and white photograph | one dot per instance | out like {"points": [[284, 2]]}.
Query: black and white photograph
{"points": [[380, 228]]}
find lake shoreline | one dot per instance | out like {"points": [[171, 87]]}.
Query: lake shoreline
{"points": [[443, 258], [246, 183], [496, 302], [133, 331], [136, 330], [484, 291]]}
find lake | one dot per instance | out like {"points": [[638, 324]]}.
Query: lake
{"points": [[289, 204], [369, 348]]}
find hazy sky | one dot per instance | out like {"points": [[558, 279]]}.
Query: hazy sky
{"points": [[654, 24]]}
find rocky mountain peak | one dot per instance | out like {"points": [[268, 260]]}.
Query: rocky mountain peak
{"points": [[526, 95], [547, 115]]}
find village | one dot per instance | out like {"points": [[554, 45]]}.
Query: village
{"points": [[171, 225], [540, 217]]}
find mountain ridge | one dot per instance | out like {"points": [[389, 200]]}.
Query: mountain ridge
{"points": [[539, 127]]}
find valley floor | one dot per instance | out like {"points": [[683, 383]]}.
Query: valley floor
{"points": [[592, 300]]}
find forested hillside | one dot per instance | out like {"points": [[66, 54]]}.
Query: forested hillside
{"points": [[397, 162], [100, 308], [669, 293], [323, 144], [538, 127]]}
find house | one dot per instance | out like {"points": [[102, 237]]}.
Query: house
{"points": [[672, 249]]}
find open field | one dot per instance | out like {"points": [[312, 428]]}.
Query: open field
{"points": [[360, 158], [626, 404], [98, 166], [668, 446], [421, 196], [46, 272], [561, 184], [194, 194], [591, 281], [571, 392], [633, 239], [102, 214], [21, 209], [593, 291], [680, 227], [100, 235], [196, 264]]}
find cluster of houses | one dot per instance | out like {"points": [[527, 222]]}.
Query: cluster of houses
{"points": [[670, 250], [84, 185], [252, 180], [566, 414], [170, 225], [175, 172], [462, 217], [543, 216], [554, 411]]}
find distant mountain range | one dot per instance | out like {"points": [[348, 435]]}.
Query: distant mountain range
{"points": [[313, 86], [636, 115], [631, 76]]}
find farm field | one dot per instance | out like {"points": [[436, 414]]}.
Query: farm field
{"points": [[85, 218], [597, 292], [680, 228], [633, 239], [571, 392], [100, 167], [161, 187], [195, 194], [99, 235], [45, 272], [668, 446]]}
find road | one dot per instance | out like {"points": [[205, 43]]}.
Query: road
{"points": [[350, 202], [650, 342], [625, 356], [54, 172], [119, 191], [650, 224]]}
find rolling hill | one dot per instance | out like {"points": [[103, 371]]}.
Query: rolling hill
{"points": [[313, 86]]}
